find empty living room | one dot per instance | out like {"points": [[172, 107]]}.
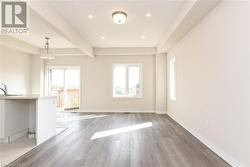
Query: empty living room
{"points": [[124, 83]]}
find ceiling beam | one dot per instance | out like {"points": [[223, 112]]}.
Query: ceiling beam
{"points": [[125, 51], [14, 43], [193, 13], [66, 52], [61, 27]]}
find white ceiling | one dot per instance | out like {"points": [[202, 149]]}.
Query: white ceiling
{"points": [[163, 15], [127, 35], [38, 29]]}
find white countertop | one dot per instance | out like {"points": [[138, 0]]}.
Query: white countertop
{"points": [[25, 97]]}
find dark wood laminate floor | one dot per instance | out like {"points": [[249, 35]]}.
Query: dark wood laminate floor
{"points": [[165, 144]]}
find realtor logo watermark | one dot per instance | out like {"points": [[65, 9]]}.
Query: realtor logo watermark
{"points": [[14, 18]]}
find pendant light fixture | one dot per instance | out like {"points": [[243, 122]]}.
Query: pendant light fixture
{"points": [[119, 17], [46, 52]]}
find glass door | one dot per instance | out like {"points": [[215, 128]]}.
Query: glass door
{"points": [[64, 83], [72, 89]]}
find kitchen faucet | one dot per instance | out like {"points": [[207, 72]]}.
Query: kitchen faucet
{"points": [[4, 89]]}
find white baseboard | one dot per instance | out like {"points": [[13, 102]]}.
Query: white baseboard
{"points": [[112, 111], [4, 140], [14, 137], [225, 156], [19, 135], [161, 112]]}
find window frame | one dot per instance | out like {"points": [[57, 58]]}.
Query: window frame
{"points": [[127, 79], [172, 79]]}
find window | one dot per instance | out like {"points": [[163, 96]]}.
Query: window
{"points": [[126, 80], [64, 82], [172, 79]]}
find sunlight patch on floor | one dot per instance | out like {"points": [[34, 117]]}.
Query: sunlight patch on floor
{"points": [[121, 130]]}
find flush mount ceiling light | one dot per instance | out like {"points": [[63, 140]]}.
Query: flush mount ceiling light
{"points": [[119, 17], [45, 54]]}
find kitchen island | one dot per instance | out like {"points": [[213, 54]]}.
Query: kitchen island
{"points": [[27, 114]]}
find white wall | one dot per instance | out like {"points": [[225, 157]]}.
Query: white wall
{"points": [[161, 83], [15, 67], [1, 63], [96, 76], [37, 75], [212, 71]]}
